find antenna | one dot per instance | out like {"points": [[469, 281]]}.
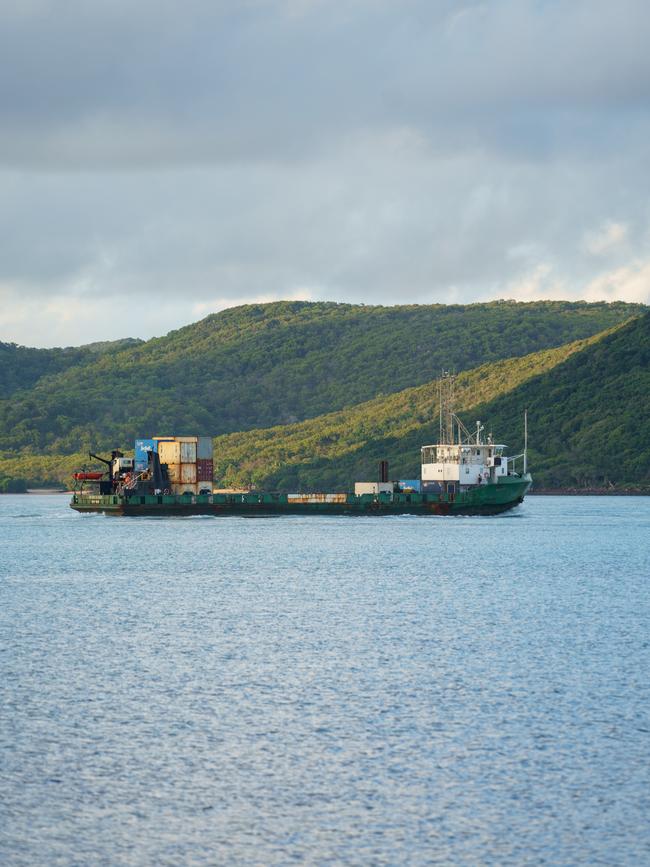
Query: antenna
{"points": [[446, 391], [525, 441]]}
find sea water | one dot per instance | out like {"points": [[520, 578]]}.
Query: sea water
{"points": [[326, 690]]}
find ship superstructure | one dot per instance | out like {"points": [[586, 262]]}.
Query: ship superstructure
{"points": [[463, 459]]}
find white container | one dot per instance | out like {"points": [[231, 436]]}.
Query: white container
{"points": [[373, 488], [187, 451]]}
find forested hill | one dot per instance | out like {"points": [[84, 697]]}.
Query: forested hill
{"points": [[588, 414], [21, 367], [262, 365]]}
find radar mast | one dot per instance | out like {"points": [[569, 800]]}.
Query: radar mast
{"points": [[446, 389]]}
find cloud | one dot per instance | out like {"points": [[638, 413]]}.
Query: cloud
{"points": [[119, 84], [161, 159], [630, 283], [606, 238]]}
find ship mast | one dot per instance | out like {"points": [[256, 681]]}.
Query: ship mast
{"points": [[525, 441], [446, 391]]}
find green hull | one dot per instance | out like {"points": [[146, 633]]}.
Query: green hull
{"points": [[482, 500]]}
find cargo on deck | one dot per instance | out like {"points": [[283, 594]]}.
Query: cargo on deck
{"points": [[464, 473]]}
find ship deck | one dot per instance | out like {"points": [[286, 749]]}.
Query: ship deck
{"points": [[484, 499]]}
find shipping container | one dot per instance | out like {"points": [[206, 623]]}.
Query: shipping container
{"points": [[230, 490], [204, 470], [174, 472], [409, 485], [187, 488], [182, 473], [170, 452], [197, 489], [188, 451], [177, 452], [142, 449], [204, 448], [188, 474], [317, 498], [361, 488]]}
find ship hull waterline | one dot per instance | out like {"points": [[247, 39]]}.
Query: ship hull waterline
{"points": [[488, 499]]}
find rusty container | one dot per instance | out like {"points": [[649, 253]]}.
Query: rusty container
{"points": [[174, 472], [188, 451], [197, 489], [188, 474], [177, 452], [186, 488], [317, 498], [204, 470]]}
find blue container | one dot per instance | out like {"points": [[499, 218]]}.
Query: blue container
{"points": [[142, 449], [410, 485]]}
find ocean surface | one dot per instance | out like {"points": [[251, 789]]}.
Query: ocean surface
{"points": [[394, 690]]}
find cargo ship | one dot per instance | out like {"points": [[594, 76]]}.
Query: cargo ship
{"points": [[464, 473]]}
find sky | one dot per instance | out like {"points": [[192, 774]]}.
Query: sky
{"points": [[160, 161]]}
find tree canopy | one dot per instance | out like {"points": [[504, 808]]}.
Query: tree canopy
{"points": [[262, 365], [587, 405]]}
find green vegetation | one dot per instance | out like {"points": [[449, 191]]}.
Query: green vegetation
{"points": [[586, 399], [12, 486], [263, 365], [588, 414], [21, 367], [37, 471], [333, 450], [589, 417]]}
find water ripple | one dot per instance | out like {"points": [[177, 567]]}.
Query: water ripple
{"points": [[324, 690]]}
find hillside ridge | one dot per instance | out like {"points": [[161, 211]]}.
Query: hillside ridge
{"points": [[261, 365], [255, 456], [587, 404]]}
